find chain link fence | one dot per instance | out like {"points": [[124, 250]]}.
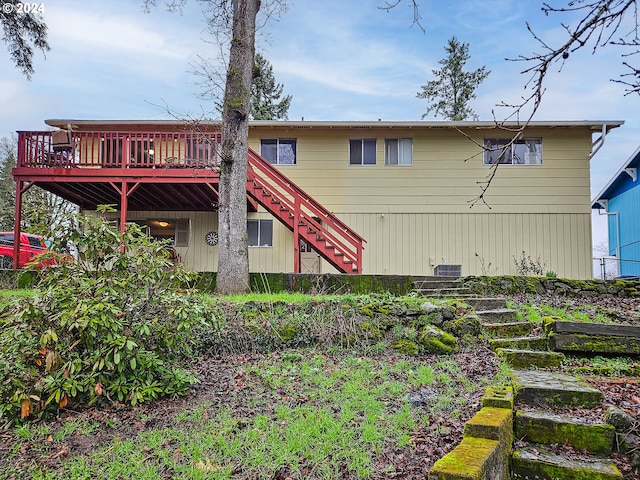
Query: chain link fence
{"points": [[608, 268]]}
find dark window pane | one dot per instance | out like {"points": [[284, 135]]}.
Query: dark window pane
{"points": [[355, 152], [269, 150], [369, 151]]}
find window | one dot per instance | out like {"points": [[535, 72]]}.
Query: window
{"points": [[174, 230], [278, 151], [524, 151], [398, 151], [362, 151], [260, 233]]}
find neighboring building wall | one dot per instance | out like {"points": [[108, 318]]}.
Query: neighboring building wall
{"points": [[627, 206]]}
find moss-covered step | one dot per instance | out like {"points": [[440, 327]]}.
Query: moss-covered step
{"points": [[492, 423], [549, 428], [530, 358], [549, 389], [473, 459], [460, 292], [520, 343], [498, 315], [594, 337], [536, 463], [432, 283], [498, 396], [487, 303], [509, 329]]}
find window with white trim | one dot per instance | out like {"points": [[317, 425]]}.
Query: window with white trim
{"points": [[260, 233], [362, 151], [176, 230], [523, 151], [278, 151], [398, 151]]}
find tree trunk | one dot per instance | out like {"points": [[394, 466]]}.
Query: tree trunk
{"points": [[233, 259]]}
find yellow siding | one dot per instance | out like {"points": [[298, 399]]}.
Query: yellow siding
{"points": [[414, 244], [445, 172]]}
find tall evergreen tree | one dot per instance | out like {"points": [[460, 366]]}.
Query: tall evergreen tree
{"points": [[267, 102], [24, 29], [453, 87]]}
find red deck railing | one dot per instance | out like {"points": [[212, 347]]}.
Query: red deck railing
{"points": [[119, 150]]}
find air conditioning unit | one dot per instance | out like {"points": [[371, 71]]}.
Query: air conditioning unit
{"points": [[448, 270]]}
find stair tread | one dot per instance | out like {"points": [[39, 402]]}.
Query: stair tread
{"points": [[521, 358], [507, 324], [551, 389], [561, 417], [496, 311], [530, 461]]}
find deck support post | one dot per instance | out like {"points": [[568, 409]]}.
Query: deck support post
{"points": [[296, 235], [124, 204], [16, 224]]}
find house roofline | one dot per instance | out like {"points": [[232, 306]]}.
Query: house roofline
{"points": [[632, 162], [209, 124]]}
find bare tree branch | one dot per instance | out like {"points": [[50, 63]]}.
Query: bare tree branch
{"points": [[417, 19]]}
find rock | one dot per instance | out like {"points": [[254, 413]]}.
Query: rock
{"points": [[619, 418], [627, 442], [434, 340], [428, 307]]}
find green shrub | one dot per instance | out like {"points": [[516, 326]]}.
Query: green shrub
{"points": [[111, 326]]}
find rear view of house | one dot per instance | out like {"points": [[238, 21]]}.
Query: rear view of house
{"points": [[352, 197]]}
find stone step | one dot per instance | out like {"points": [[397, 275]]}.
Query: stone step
{"points": [[530, 358], [498, 396], [548, 427], [492, 423], [520, 343], [473, 459], [538, 388], [482, 303], [503, 315], [509, 329], [436, 284], [594, 337], [537, 463], [460, 292]]}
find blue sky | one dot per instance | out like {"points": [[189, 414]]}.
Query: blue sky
{"points": [[341, 60]]}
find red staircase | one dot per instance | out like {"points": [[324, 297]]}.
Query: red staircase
{"points": [[332, 239]]}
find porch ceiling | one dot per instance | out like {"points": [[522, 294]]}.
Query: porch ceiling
{"points": [[146, 196]]}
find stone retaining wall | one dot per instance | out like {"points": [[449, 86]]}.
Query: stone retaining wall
{"points": [[511, 285]]}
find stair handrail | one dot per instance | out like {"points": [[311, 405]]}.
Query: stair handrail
{"points": [[266, 169], [353, 252], [350, 252]]}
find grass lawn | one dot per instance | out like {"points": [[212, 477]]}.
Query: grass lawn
{"points": [[292, 414]]}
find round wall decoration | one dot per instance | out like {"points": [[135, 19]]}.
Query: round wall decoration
{"points": [[211, 238]]}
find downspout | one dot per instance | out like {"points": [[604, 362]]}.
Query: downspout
{"points": [[597, 144]]}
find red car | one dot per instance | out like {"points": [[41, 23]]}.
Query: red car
{"points": [[30, 247]]}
